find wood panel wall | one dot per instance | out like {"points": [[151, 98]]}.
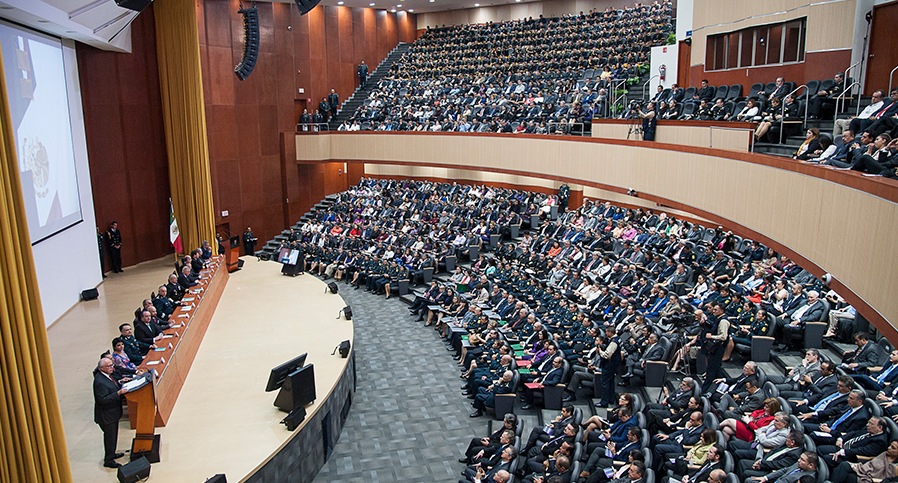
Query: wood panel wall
{"points": [[126, 142], [254, 174]]}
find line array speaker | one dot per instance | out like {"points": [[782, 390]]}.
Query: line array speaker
{"points": [[306, 6], [250, 43]]}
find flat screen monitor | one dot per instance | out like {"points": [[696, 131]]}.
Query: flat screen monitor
{"points": [[303, 386], [284, 255], [279, 374]]}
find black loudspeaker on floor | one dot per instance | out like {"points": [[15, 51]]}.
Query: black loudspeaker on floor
{"points": [[134, 471]]}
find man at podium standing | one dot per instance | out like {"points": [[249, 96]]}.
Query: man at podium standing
{"points": [[108, 409]]}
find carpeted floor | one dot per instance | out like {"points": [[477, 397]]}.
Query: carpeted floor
{"points": [[409, 421]]}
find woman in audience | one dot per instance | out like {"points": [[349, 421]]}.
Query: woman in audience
{"points": [[700, 289], [810, 145], [744, 428], [696, 455], [624, 401], [772, 114], [883, 467], [827, 149], [748, 112], [121, 360]]}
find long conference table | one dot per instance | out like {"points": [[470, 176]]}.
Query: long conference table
{"points": [[150, 405]]}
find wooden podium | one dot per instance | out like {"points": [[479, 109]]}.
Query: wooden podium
{"points": [[142, 415], [233, 254]]}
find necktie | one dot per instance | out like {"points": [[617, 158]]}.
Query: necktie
{"points": [[822, 404], [842, 418], [855, 440], [882, 377], [779, 453]]}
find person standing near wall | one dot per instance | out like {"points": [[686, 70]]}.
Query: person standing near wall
{"points": [[102, 252], [249, 242], [114, 240], [363, 75]]}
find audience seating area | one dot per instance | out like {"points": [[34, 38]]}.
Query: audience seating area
{"points": [[515, 76], [548, 309]]}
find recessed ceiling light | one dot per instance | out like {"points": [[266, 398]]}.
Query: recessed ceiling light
{"points": [[393, 10], [371, 4], [400, 5], [340, 2], [476, 4], [411, 10]]}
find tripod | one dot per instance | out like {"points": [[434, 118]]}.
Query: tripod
{"points": [[635, 126]]}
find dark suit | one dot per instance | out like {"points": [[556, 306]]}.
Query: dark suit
{"points": [[866, 356], [146, 332], [107, 412], [858, 443], [773, 460], [855, 422]]}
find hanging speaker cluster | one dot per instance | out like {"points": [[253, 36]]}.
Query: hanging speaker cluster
{"points": [[306, 6], [250, 43]]}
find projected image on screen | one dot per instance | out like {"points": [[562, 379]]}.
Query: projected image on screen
{"points": [[36, 86]]}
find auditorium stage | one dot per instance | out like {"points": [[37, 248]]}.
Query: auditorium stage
{"points": [[223, 421]]}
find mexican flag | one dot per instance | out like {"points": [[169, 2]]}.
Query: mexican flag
{"points": [[173, 233]]}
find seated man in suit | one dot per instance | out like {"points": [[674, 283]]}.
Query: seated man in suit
{"points": [[147, 330], [549, 447], [164, 305], [880, 380], [805, 466], [736, 389], [653, 352], [793, 321], [551, 429], [714, 461], [479, 447], [604, 456], [633, 473], [487, 396], [551, 378], [806, 372], [560, 474], [135, 349], [664, 445], [773, 460], [868, 441], [823, 406], [752, 402], [617, 433], [486, 471], [811, 391], [671, 402], [853, 418], [186, 279], [866, 355]]}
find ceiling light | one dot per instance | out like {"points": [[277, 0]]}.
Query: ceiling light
{"points": [[397, 6], [340, 2], [371, 4], [393, 10], [476, 4], [411, 10]]}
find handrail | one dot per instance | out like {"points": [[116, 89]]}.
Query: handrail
{"points": [[890, 78], [783, 115], [842, 96], [645, 96], [311, 126]]}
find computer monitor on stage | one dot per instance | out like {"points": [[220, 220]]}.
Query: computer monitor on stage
{"points": [[298, 389], [279, 374]]}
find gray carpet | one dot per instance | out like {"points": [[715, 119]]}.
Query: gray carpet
{"points": [[408, 420]]}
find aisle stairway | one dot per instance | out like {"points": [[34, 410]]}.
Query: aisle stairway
{"points": [[348, 108]]}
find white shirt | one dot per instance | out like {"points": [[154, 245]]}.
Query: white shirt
{"points": [[870, 110]]}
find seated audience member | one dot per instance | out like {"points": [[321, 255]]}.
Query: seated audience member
{"points": [[164, 305], [486, 447], [493, 470], [692, 433], [806, 466], [120, 358], [628, 473], [671, 403], [862, 120], [880, 157], [734, 388], [773, 460], [868, 441], [866, 355], [748, 112], [778, 90], [700, 468], [810, 145], [134, 348], [205, 250], [822, 105], [882, 467], [793, 321], [186, 279], [705, 92], [799, 376], [487, 397], [880, 380], [744, 427], [771, 115], [551, 429], [851, 418], [770, 436], [147, 331], [173, 289]]}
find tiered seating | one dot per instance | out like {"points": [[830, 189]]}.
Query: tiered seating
{"points": [[466, 231], [480, 77]]}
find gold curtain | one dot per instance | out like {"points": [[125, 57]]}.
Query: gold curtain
{"points": [[181, 82], [32, 442]]}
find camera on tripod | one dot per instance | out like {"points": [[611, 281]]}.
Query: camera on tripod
{"points": [[635, 105]]}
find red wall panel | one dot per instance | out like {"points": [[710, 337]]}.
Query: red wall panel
{"points": [[126, 142]]}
